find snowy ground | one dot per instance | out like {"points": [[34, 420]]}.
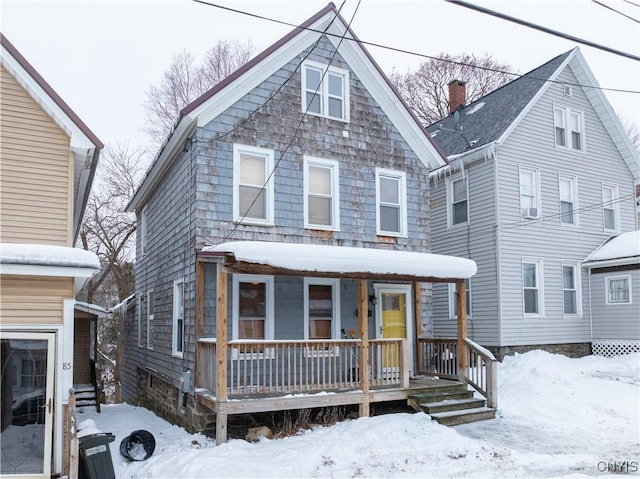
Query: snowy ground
{"points": [[558, 417]]}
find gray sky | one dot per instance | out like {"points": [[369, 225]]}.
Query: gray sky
{"points": [[101, 56]]}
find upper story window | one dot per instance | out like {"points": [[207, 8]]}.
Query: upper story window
{"points": [[321, 194], [457, 200], [568, 191], [144, 219], [141, 322], [529, 192], [618, 289], [391, 202], [569, 127], [177, 342], [610, 210], [572, 299], [325, 91], [532, 286], [252, 185]]}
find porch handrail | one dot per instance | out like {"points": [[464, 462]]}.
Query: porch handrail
{"points": [[482, 372]]}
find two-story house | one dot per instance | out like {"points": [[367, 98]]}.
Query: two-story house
{"points": [[48, 158], [283, 246], [541, 173]]}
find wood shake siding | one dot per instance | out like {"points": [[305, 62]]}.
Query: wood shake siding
{"points": [[36, 172], [33, 299]]}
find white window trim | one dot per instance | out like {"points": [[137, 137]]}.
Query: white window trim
{"points": [[567, 128], [576, 207], [324, 93], [578, 288], [450, 181], [144, 219], [608, 279], [174, 323], [269, 327], [452, 300], [402, 177], [268, 188], [334, 166], [615, 204], [335, 313], [540, 286], [150, 318], [140, 315], [536, 173]]}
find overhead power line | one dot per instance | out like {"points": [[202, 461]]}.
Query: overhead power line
{"points": [[543, 29], [614, 10]]}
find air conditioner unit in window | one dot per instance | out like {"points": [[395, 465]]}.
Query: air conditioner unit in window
{"points": [[529, 213]]}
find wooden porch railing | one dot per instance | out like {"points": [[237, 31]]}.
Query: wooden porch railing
{"points": [[296, 367], [438, 357]]}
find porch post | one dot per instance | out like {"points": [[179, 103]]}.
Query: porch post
{"points": [[363, 326], [199, 367], [417, 308], [463, 362], [221, 353]]}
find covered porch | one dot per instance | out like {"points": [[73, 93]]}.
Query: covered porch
{"points": [[360, 366]]}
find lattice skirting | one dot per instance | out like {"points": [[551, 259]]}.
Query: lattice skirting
{"points": [[615, 347]]}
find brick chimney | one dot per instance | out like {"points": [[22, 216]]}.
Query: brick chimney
{"points": [[457, 95]]}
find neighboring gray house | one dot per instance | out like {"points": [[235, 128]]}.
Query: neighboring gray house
{"points": [[614, 286], [541, 173], [283, 242]]}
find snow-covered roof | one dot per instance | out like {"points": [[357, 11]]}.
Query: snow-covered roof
{"points": [[90, 308], [122, 306], [47, 256], [341, 261], [624, 249]]}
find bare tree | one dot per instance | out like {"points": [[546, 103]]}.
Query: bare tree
{"points": [[184, 81], [426, 90]]}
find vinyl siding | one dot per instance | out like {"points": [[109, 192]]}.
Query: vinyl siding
{"points": [[33, 300], [615, 321], [36, 171]]}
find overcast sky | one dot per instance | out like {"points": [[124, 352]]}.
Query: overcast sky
{"points": [[101, 56]]}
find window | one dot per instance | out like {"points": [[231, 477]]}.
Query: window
{"points": [[252, 186], [453, 299], [321, 194], [177, 343], [253, 307], [144, 218], [568, 126], [532, 286], [568, 200], [529, 193], [391, 202], [150, 319], [34, 373], [457, 200], [610, 212], [325, 91], [572, 299], [322, 308], [141, 312], [618, 289]]}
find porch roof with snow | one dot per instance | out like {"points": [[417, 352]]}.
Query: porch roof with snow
{"points": [[287, 259], [623, 249]]}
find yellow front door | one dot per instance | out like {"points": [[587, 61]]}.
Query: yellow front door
{"points": [[394, 324]]}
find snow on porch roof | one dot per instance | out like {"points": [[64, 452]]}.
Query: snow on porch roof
{"points": [[340, 261]]}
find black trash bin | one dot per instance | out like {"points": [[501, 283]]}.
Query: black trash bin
{"points": [[95, 457], [138, 446]]}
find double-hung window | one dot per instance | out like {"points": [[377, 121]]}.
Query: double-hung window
{"points": [[252, 185], [177, 342], [572, 301], [618, 289], [568, 191], [453, 299], [610, 211], [253, 310], [150, 306], [457, 200], [529, 192], [532, 286], [144, 219], [391, 202], [568, 126], [322, 308], [141, 320], [321, 194], [325, 91]]}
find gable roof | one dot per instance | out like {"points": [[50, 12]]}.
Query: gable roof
{"points": [[84, 143], [490, 119], [222, 96]]}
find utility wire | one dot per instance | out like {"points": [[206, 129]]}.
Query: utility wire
{"points": [[409, 52], [632, 3], [614, 10], [542, 29]]}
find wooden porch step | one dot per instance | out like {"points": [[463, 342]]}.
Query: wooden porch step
{"points": [[452, 405], [454, 418], [432, 397]]}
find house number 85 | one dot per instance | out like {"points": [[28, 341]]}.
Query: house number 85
{"points": [[66, 366]]}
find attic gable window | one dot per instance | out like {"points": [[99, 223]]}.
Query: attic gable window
{"points": [[325, 91], [569, 128]]}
